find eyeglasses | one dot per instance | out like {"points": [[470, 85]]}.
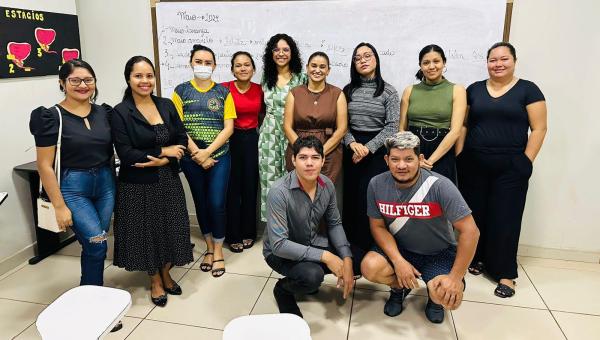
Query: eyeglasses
{"points": [[285, 50], [367, 56], [77, 81]]}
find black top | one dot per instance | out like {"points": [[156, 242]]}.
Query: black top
{"points": [[81, 148], [499, 125], [135, 139]]}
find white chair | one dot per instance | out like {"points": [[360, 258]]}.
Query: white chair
{"points": [[82, 313], [267, 327]]}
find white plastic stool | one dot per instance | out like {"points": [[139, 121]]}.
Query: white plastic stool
{"points": [[82, 313], [267, 327]]}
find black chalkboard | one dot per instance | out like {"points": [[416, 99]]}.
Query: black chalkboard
{"points": [[36, 43]]}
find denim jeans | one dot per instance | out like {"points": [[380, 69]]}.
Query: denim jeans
{"points": [[90, 195], [209, 191]]}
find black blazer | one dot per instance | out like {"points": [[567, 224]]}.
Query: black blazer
{"points": [[135, 139]]}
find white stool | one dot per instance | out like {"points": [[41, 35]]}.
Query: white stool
{"points": [[267, 327], [84, 312]]}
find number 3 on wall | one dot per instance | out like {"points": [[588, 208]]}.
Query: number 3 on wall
{"points": [[11, 68], [39, 50]]}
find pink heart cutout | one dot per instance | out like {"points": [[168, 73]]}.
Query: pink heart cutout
{"points": [[69, 53], [45, 36], [19, 50]]}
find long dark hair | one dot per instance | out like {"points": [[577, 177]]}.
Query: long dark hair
{"points": [[67, 68], [269, 66], [429, 48], [355, 78], [129, 67]]}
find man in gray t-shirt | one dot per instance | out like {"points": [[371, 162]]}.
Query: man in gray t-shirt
{"points": [[412, 212]]}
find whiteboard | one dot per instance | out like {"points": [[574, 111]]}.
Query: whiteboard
{"points": [[465, 29]]}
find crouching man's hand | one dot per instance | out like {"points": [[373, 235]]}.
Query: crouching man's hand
{"points": [[446, 291]]}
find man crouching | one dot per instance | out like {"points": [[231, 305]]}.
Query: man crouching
{"points": [[411, 212], [297, 244]]}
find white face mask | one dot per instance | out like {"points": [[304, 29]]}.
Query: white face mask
{"points": [[203, 72]]}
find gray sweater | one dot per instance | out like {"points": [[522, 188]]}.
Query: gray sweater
{"points": [[369, 114]]}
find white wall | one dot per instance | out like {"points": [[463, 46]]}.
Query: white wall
{"points": [[558, 47], [18, 98]]}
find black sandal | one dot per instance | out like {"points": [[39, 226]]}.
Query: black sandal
{"points": [[220, 271], [248, 243], [205, 266], [504, 291], [476, 268], [236, 247]]}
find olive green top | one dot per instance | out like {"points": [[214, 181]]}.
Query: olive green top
{"points": [[431, 105]]}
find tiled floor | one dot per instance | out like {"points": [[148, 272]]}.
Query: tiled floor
{"points": [[554, 300]]}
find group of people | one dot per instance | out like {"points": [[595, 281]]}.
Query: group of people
{"points": [[402, 159]]}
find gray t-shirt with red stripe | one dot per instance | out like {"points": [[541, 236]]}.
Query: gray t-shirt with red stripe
{"points": [[419, 217]]}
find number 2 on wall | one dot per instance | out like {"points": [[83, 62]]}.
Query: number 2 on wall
{"points": [[11, 68]]}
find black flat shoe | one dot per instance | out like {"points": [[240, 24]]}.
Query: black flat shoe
{"points": [[236, 247], [504, 291], [175, 290], [205, 266], [248, 243], [117, 327], [160, 301], [476, 268]]}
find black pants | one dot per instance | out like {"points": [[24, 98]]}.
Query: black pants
{"points": [[302, 277], [356, 181], [495, 188], [430, 139], [243, 186]]}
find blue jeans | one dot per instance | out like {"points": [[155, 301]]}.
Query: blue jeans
{"points": [[209, 191], [90, 195]]}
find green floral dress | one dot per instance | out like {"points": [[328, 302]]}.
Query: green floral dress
{"points": [[271, 141]]}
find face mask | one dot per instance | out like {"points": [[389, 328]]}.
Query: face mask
{"points": [[203, 72]]}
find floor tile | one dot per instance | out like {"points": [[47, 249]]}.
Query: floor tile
{"points": [[199, 247], [138, 284], [43, 282], [551, 263], [326, 313], [156, 330], [211, 302], [579, 326], [15, 316], [476, 321], [129, 324], [480, 288], [369, 322], [567, 290]]}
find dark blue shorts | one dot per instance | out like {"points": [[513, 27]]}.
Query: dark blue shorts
{"points": [[429, 266]]}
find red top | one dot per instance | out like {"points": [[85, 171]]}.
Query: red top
{"points": [[247, 105]]}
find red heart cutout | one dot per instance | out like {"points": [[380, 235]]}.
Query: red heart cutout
{"points": [[69, 53], [20, 51], [45, 36]]}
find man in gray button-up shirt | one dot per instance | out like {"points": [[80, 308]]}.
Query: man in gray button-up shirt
{"points": [[297, 243]]}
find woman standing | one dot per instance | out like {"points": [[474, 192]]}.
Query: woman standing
{"points": [[496, 161], [318, 109], [152, 229], [243, 146], [434, 110], [282, 72], [207, 111], [85, 198], [373, 112]]}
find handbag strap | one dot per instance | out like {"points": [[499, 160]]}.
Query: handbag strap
{"points": [[57, 154]]}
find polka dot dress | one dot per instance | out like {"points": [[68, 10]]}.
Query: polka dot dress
{"points": [[151, 224]]}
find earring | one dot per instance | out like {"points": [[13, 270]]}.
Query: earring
{"points": [[445, 69]]}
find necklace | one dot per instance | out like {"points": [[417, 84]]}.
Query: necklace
{"points": [[315, 95]]}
